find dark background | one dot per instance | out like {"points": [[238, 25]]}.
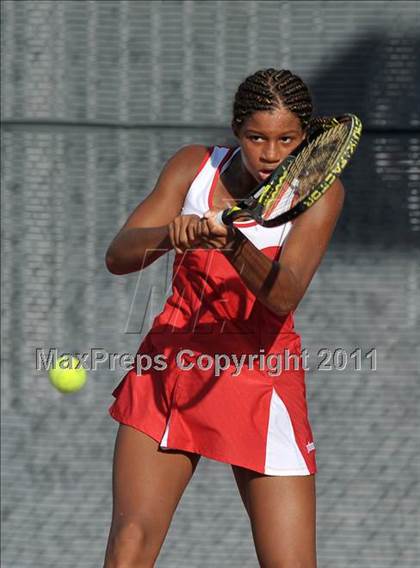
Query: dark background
{"points": [[95, 97]]}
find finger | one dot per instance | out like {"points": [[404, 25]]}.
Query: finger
{"points": [[177, 231], [171, 234], [204, 230], [216, 228], [182, 237], [210, 242], [191, 227], [193, 231], [204, 242]]}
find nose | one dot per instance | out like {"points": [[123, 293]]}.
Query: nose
{"points": [[271, 154]]}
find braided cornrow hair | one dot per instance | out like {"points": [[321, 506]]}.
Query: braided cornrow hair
{"points": [[270, 89]]}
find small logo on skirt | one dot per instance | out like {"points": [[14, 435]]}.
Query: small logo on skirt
{"points": [[310, 447]]}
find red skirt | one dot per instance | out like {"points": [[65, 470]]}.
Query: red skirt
{"points": [[190, 400]]}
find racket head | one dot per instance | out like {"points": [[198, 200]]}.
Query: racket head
{"points": [[304, 176]]}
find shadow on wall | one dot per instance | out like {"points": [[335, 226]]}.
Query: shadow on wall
{"points": [[379, 80]]}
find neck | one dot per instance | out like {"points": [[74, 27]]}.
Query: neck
{"points": [[238, 181]]}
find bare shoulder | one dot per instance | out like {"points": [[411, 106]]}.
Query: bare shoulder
{"points": [[185, 163], [166, 199]]}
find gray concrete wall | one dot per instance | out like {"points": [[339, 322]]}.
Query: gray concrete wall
{"points": [[95, 97]]}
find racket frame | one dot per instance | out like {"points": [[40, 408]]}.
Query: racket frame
{"points": [[252, 208]]}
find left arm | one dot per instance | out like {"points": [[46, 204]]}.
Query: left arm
{"points": [[280, 285]]}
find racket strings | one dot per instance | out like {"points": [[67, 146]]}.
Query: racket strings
{"points": [[306, 172]]}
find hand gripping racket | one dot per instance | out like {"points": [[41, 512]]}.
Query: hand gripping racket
{"points": [[303, 177]]}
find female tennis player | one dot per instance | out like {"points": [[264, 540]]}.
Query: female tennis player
{"points": [[226, 381]]}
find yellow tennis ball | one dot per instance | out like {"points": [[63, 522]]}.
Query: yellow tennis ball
{"points": [[67, 375]]}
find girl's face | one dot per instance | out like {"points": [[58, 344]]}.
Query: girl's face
{"points": [[266, 138]]}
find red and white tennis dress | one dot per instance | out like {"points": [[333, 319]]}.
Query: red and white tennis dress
{"points": [[250, 418]]}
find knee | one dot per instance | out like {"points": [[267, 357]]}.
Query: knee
{"points": [[129, 547]]}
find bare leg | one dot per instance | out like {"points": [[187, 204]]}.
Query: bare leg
{"points": [[283, 516], [242, 477], [147, 486]]}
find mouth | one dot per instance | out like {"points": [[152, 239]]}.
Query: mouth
{"points": [[265, 173]]}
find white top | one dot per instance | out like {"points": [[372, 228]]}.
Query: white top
{"points": [[199, 200]]}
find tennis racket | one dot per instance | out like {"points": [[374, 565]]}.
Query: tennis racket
{"points": [[303, 177]]}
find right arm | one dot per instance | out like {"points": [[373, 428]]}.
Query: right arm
{"points": [[150, 225]]}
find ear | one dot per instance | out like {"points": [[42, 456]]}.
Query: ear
{"points": [[235, 129]]}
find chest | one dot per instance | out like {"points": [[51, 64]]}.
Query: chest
{"points": [[210, 191]]}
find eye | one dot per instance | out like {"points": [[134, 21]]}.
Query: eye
{"points": [[254, 137], [286, 139]]}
